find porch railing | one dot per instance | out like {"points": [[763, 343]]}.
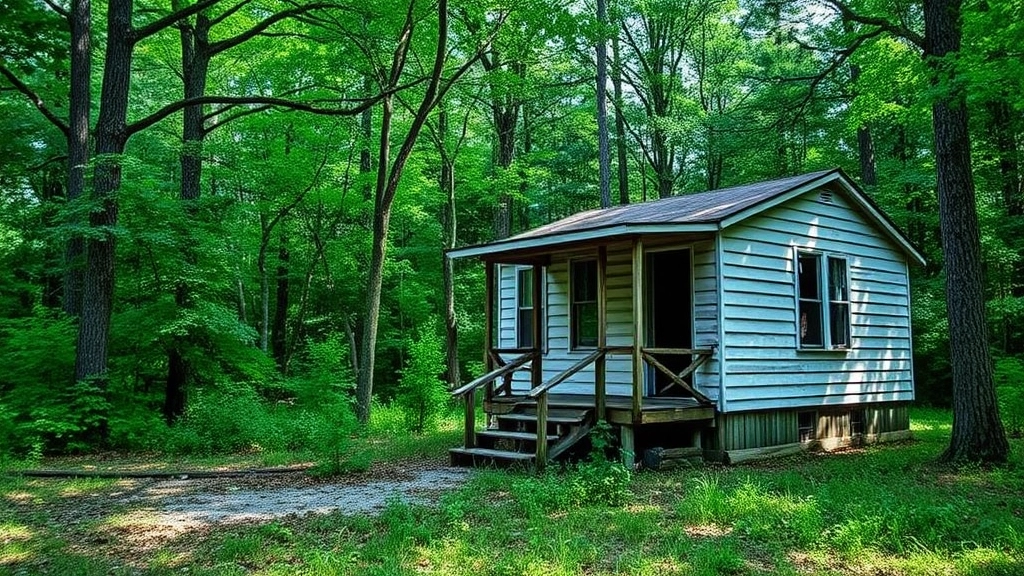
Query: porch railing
{"points": [[468, 391], [698, 357]]}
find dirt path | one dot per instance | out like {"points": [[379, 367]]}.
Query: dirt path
{"points": [[135, 517], [205, 501]]}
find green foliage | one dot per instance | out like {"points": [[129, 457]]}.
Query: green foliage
{"points": [[1009, 377], [422, 393]]}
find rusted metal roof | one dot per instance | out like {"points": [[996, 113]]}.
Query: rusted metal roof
{"points": [[704, 207], [705, 212]]}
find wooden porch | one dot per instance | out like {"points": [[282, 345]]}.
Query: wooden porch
{"points": [[539, 425]]}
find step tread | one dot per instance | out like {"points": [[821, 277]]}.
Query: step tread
{"points": [[567, 418], [510, 435], [491, 453]]}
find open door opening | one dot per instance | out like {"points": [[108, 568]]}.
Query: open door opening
{"points": [[669, 314]]}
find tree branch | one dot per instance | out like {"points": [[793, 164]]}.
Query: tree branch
{"points": [[899, 30], [62, 11], [169, 109], [229, 43], [35, 99], [170, 19]]}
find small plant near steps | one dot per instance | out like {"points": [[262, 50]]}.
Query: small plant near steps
{"points": [[513, 437]]}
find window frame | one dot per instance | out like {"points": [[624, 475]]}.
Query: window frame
{"points": [[573, 334], [825, 300], [518, 271], [517, 326]]}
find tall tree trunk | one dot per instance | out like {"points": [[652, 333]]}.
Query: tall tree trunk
{"points": [[620, 124], [111, 137], [381, 222], [195, 64], [603, 154], [865, 144], [279, 330], [448, 230], [366, 125], [977, 430], [1001, 127], [506, 117], [80, 105]]}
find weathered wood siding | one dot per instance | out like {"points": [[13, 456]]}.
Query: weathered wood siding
{"points": [[558, 355], [764, 367], [746, 430]]}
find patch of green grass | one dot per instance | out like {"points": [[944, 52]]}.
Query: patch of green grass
{"points": [[881, 510]]}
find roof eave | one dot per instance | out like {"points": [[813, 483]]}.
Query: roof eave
{"points": [[562, 239], [853, 191]]}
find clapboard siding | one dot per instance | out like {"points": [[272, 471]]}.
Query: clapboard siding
{"points": [[766, 369], [619, 281]]}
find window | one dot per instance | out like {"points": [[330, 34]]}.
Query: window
{"points": [[856, 422], [583, 281], [823, 295], [524, 307], [805, 426]]}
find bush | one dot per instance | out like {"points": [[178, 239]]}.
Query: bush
{"points": [[422, 393]]}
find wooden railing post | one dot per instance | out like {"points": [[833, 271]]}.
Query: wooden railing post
{"points": [[537, 368], [638, 327], [542, 431], [602, 331], [489, 325], [470, 432]]}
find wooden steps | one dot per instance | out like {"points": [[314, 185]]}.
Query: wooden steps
{"points": [[512, 440]]}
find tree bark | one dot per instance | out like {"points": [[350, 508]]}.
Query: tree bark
{"points": [[865, 143], [279, 339], [622, 162], [603, 153], [977, 430], [195, 64], [448, 231], [80, 106]]}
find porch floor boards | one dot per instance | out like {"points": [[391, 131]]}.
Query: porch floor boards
{"points": [[618, 409]]}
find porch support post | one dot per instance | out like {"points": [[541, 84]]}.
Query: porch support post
{"points": [[536, 369], [489, 325], [602, 330], [638, 327]]}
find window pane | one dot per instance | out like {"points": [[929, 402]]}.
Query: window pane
{"points": [[837, 288], [524, 335], [584, 281], [810, 324], [808, 277], [839, 324], [525, 288], [584, 320]]}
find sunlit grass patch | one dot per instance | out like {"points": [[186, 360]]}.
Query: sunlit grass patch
{"points": [[15, 543]]}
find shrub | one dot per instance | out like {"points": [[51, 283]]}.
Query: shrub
{"points": [[422, 393]]}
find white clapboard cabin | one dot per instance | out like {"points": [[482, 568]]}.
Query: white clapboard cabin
{"points": [[726, 325]]}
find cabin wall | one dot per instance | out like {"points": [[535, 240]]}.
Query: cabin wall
{"points": [[830, 427], [619, 368], [765, 369]]}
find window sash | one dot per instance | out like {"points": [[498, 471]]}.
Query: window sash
{"points": [[524, 307], [583, 308], [823, 301]]}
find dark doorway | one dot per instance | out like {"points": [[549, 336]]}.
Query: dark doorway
{"points": [[669, 315]]}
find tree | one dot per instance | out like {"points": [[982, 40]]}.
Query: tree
{"points": [[389, 172], [978, 433]]}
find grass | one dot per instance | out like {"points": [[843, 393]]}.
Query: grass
{"points": [[886, 510]]}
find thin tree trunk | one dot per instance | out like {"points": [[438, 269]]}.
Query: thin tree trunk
{"points": [[865, 144], [603, 154], [448, 230], [279, 328], [195, 63], [80, 105], [620, 124], [381, 222], [977, 430]]}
